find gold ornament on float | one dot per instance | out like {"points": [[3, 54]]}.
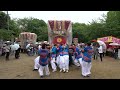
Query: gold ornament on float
{"points": [[59, 40]]}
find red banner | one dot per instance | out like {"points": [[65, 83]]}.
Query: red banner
{"points": [[51, 23], [59, 25], [67, 23]]}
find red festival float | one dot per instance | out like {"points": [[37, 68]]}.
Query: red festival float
{"points": [[60, 32]]}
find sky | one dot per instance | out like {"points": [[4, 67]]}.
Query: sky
{"points": [[74, 16]]}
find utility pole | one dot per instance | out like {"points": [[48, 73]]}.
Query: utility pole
{"points": [[8, 20], [12, 38]]}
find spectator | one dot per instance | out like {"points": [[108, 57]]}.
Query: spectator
{"points": [[7, 51]]}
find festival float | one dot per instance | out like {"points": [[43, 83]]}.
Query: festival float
{"points": [[60, 32], [27, 37]]}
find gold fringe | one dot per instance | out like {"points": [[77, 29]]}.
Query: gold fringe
{"points": [[63, 25], [54, 24]]}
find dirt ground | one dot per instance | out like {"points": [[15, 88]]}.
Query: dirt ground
{"points": [[22, 69]]}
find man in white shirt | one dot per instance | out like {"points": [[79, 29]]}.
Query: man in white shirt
{"points": [[100, 50]]}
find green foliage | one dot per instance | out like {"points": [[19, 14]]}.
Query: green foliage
{"points": [[5, 35], [34, 25], [113, 23], [3, 20], [23, 24], [79, 31], [107, 26], [13, 26]]}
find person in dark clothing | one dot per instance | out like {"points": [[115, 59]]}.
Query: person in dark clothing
{"points": [[116, 52], [3, 51], [17, 53], [71, 54], [95, 52]]}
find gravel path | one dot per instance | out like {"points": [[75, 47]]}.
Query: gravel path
{"points": [[22, 69]]}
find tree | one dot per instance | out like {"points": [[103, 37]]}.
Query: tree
{"points": [[79, 30], [23, 24], [34, 25], [113, 23], [3, 20], [5, 35], [14, 27]]}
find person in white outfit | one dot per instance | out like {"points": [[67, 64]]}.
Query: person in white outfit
{"points": [[86, 63], [53, 57], [43, 62], [59, 58], [79, 56], [62, 62], [66, 58], [100, 50], [57, 55], [36, 64]]}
